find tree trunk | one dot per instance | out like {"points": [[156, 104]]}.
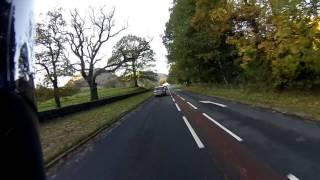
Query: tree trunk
{"points": [[56, 95], [199, 73], [93, 91], [135, 79], [222, 73]]}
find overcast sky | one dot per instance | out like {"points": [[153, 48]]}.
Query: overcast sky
{"points": [[145, 18]]}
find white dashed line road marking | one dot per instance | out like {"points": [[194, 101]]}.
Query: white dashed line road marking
{"points": [[178, 107], [210, 102], [169, 92], [193, 133], [182, 98], [222, 127], [193, 106], [292, 177]]}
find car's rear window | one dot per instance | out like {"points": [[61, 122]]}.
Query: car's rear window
{"points": [[159, 88]]}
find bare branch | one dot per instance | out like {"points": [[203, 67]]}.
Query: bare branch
{"points": [[88, 36], [47, 70], [49, 49]]}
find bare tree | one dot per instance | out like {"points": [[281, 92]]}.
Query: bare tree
{"points": [[50, 50], [137, 54], [86, 39]]}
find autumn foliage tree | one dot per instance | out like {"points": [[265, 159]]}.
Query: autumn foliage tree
{"points": [[270, 42]]}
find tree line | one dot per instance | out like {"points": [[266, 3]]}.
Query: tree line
{"points": [[272, 43], [84, 36]]}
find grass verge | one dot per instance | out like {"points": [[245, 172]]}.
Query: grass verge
{"points": [[64, 133], [83, 97], [302, 104]]}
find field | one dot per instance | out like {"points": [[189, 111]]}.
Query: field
{"points": [[85, 97]]}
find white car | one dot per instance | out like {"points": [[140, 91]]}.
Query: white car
{"points": [[160, 91]]}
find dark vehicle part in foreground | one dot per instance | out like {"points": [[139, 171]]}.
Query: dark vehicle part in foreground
{"points": [[21, 156]]}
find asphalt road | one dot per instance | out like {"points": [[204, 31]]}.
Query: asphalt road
{"points": [[190, 136]]}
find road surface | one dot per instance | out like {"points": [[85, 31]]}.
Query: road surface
{"points": [[190, 136]]}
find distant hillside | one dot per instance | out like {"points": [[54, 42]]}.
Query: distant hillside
{"points": [[110, 80], [105, 80], [161, 76]]}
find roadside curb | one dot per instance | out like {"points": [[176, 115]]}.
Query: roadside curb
{"points": [[109, 125]]}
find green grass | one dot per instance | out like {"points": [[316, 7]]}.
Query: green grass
{"points": [[61, 134], [304, 104], [84, 97]]}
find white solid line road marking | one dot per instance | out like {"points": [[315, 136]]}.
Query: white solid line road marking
{"points": [[169, 92], [292, 177], [210, 102], [193, 106], [222, 127], [193, 133], [178, 107]]}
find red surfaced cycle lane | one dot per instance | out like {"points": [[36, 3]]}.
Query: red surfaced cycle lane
{"points": [[234, 158]]}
